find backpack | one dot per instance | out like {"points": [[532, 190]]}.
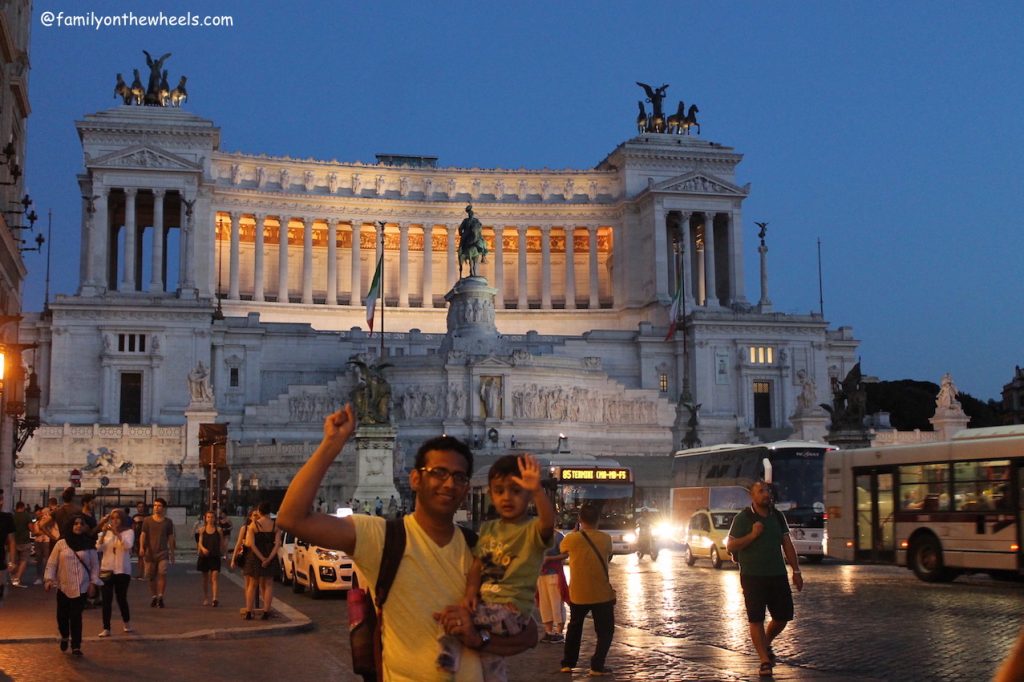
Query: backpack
{"points": [[365, 618]]}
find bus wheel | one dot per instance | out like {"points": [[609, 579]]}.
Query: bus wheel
{"points": [[926, 560], [688, 556], [716, 560]]}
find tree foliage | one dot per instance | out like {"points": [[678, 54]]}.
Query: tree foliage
{"points": [[911, 403]]}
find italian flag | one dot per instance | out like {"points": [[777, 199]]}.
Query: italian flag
{"points": [[374, 293], [673, 314]]}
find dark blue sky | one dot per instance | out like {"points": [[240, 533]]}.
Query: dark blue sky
{"points": [[891, 131]]}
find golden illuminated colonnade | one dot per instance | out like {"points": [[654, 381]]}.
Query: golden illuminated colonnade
{"points": [[323, 264]]}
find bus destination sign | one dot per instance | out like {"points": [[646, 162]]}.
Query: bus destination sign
{"points": [[594, 475]]}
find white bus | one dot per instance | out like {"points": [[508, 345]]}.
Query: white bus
{"points": [[717, 478], [571, 482], [940, 509]]}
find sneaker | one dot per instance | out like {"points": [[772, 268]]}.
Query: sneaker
{"points": [[104, 633], [600, 672], [20, 584], [214, 603], [153, 601], [554, 638], [565, 669], [15, 582], [128, 628], [63, 645], [76, 652], [160, 602], [38, 581]]}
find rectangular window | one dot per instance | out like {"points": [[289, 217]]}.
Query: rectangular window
{"points": [[131, 398], [663, 383], [762, 405], [981, 486], [234, 377], [131, 343], [762, 355], [924, 487]]}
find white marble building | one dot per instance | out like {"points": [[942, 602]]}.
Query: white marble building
{"points": [[584, 264]]}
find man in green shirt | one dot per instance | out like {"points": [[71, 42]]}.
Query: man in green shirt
{"points": [[758, 538]]}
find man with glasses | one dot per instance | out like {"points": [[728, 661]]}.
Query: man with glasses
{"points": [[432, 574]]}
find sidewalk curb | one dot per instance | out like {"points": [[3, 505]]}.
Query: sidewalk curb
{"points": [[297, 622]]}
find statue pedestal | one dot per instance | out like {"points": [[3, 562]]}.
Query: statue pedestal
{"points": [[375, 454], [809, 426], [196, 414], [947, 422], [848, 439], [471, 327]]}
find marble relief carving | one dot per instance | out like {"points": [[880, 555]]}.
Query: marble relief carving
{"points": [[579, 405]]}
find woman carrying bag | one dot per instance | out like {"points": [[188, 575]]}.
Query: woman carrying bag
{"points": [[115, 541], [75, 571]]}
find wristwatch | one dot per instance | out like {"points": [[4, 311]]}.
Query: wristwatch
{"points": [[485, 638]]}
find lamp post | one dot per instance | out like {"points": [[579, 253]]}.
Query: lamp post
{"points": [[25, 414]]}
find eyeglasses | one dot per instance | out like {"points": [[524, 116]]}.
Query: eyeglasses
{"points": [[440, 474]]}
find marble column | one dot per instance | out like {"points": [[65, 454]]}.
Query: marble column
{"points": [[570, 268], [662, 253], [128, 269], [257, 265], [522, 287], [307, 260], [499, 266], [428, 265], [282, 259], [545, 267], [184, 237], [332, 261], [453, 258], [236, 226], [736, 293], [595, 282], [156, 280], [710, 285], [100, 247], [188, 250], [688, 248], [354, 294], [701, 293], [403, 265]]}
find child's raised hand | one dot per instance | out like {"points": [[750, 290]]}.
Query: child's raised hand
{"points": [[469, 602], [529, 473]]}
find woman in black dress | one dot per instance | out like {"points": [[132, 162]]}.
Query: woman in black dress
{"points": [[209, 546], [261, 564]]}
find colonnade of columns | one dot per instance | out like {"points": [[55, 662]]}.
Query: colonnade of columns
{"points": [[357, 235], [115, 221], [709, 270]]}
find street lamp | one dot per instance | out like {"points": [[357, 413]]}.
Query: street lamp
{"points": [[25, 414], [563, 443]]}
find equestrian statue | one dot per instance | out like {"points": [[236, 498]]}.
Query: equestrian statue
{"points": [[472, 247]]}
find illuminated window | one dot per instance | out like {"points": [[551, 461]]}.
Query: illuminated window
{"points": [[762, 355], [663, 383]]}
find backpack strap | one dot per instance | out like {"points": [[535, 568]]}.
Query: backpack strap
{"points": [[470, 536], [391, 557]]}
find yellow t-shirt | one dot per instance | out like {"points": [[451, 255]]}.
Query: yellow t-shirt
{"points": [[429, 578], [588, 583]]}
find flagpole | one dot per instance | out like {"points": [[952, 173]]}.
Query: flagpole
{"points": [[382, 305]]}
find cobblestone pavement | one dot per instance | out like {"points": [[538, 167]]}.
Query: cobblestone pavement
{"points": [[675, 623]]}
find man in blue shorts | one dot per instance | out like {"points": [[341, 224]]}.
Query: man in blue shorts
{"points": [[758, 539]]}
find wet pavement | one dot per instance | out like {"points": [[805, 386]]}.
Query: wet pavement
{"points": [[674, 623]]}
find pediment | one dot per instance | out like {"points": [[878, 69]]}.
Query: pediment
{"points": [[492, 362], [142, 156], [697, 182]]}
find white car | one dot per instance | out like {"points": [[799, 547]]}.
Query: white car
{"points": [[286, 558], [321, 570]]}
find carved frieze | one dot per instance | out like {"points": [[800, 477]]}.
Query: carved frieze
{"points": [[576, 404]]}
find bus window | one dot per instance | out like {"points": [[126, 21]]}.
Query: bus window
{"points": [[980, 486], [924, 487]]}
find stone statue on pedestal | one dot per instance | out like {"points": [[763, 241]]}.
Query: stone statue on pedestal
{"points": [[472, 247], [199, 388], [371, 397]]}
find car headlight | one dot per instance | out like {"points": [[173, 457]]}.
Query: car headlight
{"points": [[629, 538], [326, 555]]}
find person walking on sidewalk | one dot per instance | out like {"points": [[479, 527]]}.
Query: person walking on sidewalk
{"points": [[589, 591], [44, 534], [22, 542], [75, 571], [115, 541], [157, 549], [137, 519], [549, 591], [758, 539], [261, 561], [209, 546]]}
